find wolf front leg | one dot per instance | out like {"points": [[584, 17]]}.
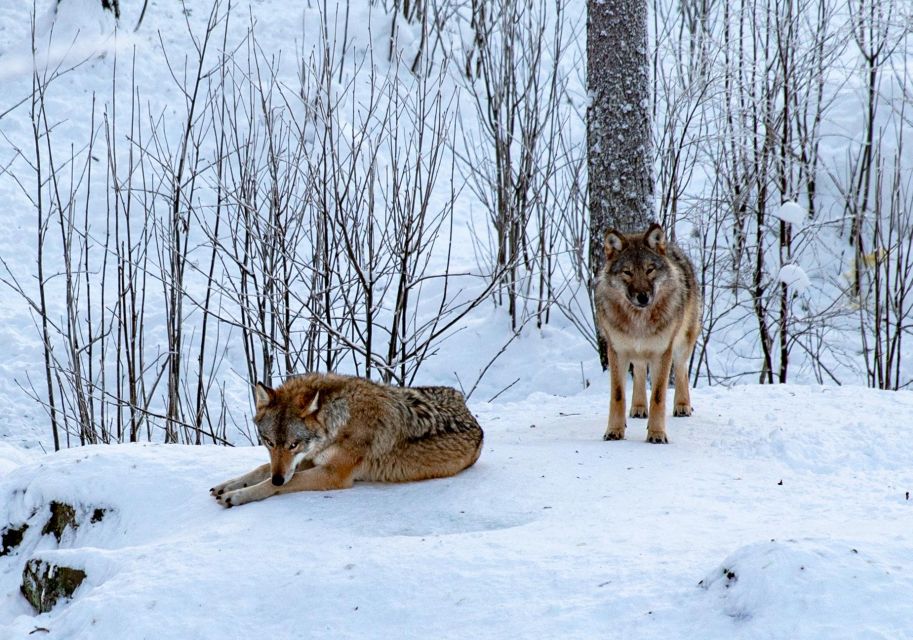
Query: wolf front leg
{"points": [[336, 473], [659, 371], [259, 474], [618, 371]]}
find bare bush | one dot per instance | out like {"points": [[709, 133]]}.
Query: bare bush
{"points": [[519, 162]]}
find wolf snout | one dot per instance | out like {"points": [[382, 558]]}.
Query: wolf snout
{"points": [[278, 480], [642, 299]]}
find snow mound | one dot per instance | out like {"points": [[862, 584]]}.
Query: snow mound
{"points": [[820, 430], [793, 276], [791, 212], [11, 457], [814, 589]]}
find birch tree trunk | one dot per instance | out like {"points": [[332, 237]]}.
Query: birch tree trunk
{"points": [[619, 149]]}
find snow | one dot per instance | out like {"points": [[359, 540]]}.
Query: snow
{"points": [[791, 212], [797, 491], [793, 276], [775, 586], [12, 456]]}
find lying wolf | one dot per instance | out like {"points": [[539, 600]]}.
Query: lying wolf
{"points": [[648, 308], [324, 431]]}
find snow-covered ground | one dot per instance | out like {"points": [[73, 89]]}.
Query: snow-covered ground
{"points": [[775, 512]]}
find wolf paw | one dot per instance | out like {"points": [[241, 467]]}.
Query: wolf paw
{"points": [[224, 499], [614, 434], [219, 489], [638, 411], [225, 487], [657, 438], [231, 499], [681, 410], [238, 497]]}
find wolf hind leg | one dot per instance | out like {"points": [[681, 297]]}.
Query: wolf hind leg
{"points": [[639, 397], [434, 455], [660, 367], [681, 358], [682, 403]]}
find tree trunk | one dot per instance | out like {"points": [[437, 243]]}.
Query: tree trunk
{"points": [[619, 147]]}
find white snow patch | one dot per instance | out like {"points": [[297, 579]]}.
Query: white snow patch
{"points": [[815, 588], [12, 456], [792, 275], [791, 212]]}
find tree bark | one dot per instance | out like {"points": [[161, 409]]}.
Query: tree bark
{"points": [[619, 145]]}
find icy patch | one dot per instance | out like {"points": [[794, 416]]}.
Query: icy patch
{"points": [[791, 212], [814, 589]]}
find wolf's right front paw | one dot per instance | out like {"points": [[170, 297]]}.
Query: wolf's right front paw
{"points": [[614, 434]]}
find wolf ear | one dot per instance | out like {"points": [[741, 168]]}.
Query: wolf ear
{"points": [[614, 243], [263, 395], [312, 407], [655, 238]]}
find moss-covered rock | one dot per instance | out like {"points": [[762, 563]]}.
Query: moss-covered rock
{"points": [[62, 516], [11, 537], [44, 583]]}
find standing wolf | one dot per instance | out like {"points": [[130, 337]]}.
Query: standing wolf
{"points": [[323, 431], [648, 308]]}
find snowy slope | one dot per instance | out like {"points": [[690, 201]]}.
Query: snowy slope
{"points": [[776, 512]]}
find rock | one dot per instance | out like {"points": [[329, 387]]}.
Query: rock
{"points": [[11, 537], [44, 583], [62, 516]]}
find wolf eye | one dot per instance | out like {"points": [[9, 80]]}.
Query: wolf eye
{"points": [[628, 272], [267, 442], [650, 270], [295, 444]]}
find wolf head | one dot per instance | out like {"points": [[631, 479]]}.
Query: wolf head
{"points": [[637, 265], [289, 427]]}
